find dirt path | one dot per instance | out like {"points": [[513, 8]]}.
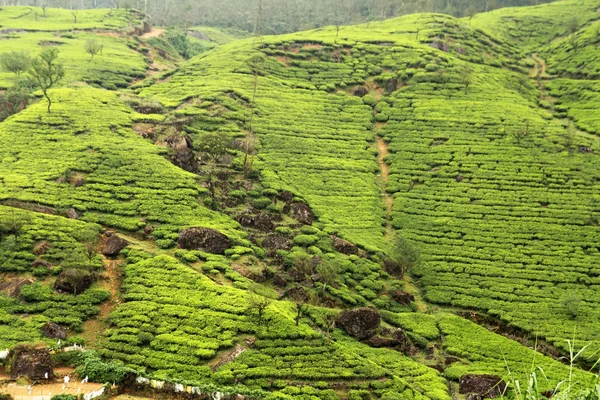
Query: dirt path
{"points": [[154, 33], [540, 67], [382, 148], [45, 392]]}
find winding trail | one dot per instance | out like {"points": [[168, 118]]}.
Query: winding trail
{"points": [[382, 148]]}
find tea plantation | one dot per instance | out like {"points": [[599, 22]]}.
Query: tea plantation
{"points": [[376, 211]]}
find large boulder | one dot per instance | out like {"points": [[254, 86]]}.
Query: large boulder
{"points": [[42, 247], [303, 213], [183, 156], [360, 323], [73, 281], [54, 331], [343, 246], [261, 221], [30, 362], [114, 245], [361, 91], [483, 386], [204, 239]]}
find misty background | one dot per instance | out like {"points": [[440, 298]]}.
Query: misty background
{"points": [[280, 16]]}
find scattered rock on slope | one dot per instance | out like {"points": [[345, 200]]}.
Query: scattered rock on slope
{"points": [[30, 362], [343, 246], [204, 239], [484, 386], [54, 331], [360, 323], [303, 213], [114, 245], [403, 297], [73, 281]]}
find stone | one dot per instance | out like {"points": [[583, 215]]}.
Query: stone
{"points": [[39, 263], [392, 85], [204, 239], [459, 178], [72, 213], [54, 331], [31, 363], [485, 386], [360, 323], [114, 245], [42, 247], [343, 246], [402, 297], [297, 293], [277, 242], [286, 196], [261, 221], [279, 280], [78, 182], [74, 281], [361, 91], [186, 160], [303, 213]]}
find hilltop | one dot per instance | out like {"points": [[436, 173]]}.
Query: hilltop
{"points": [[353, 212]]}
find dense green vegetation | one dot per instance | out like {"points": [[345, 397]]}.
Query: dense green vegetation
{"points": [[427, 168]]}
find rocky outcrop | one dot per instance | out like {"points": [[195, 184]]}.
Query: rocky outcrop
{"points": [[277, 242], [54, 331], [183, 156], [31, 363], [343, 246], [361, 91], [114, 245], [72, 213], [42, 247], [261, 221], [73, 281], [303, 213], [13, 287], [484, 386], [360, 323], [204, 239], [403, 297]]}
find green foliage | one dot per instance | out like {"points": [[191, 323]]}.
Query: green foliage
{"points": [[91, 365], [92, 47], [46, 71], [15, 62]]}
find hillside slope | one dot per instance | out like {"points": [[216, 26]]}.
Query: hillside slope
{"points": [[423, 172]]}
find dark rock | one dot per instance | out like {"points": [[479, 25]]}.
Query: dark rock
{"points": [[279, 280], [72, 213], [148, 229], [73, 281], [402, 297], [30, 362], [380, 341], [392, 85], [204, 239], [360, 323], [286, 196], [186, 160], [54, 331], [451, 360], [109, 233], [486, 386], [42, 247], [296, 275], [361, 91], [114, 245], [459, 178], [78, 182], [303, 213], [261, 221], [39, 263], [404, 343], [585, 149], [297, 293], [343, 246], [277, 242]]}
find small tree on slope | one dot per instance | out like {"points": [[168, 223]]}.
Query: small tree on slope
{"points": [[45, 72]]}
